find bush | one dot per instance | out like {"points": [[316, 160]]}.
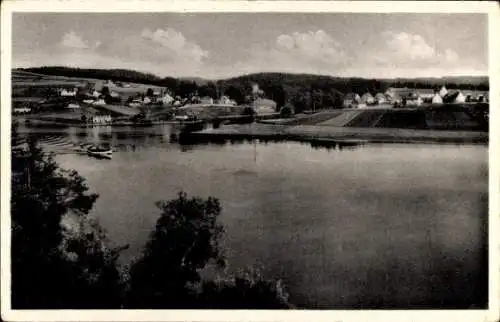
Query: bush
{"points": [[286, 111], [52, 266]]}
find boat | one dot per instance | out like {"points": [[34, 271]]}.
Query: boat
{"points": [[100, 151]]}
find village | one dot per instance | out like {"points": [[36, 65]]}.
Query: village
{"points": [[107, 102]]}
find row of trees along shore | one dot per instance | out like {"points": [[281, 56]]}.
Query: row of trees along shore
{"points": [[303, 91], [63, 259]]}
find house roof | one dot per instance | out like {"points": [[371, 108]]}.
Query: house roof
{"points": [[350, 96], [264, 102]]}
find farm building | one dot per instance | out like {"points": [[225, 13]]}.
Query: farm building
{"points": [[206, 100], [415, 100], [425, 93], [166, 99], [224, 100], [99, 102], [67, 93], [263, 106], [351, 99], [73, 106], [380, 98], [443, 91], [21, 110], [367, 98], [455, 97], [437, 99]]}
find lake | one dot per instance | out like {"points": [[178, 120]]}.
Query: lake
{"points": [[394, 226]]}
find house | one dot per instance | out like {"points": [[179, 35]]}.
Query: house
{"points": [[100, 119], [425, 93], [460, 97], [99, 102], [264, 106], [443, 91], [114, 94], [96, 94], [166, 99], [454, 97], [380, 98], [206, 100], [73, 106], [367, 98], [88, 101], [437, 99], [414, 100], [68, 93], [135, 103], [22, 110], [351, 99], [224, 100]]}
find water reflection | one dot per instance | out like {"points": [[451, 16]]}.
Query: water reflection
{"points": [[395, 226]]}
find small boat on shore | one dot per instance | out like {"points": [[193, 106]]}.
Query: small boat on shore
{"points": [[101, 151]]}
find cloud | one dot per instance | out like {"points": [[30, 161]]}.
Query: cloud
{"points": [[412, 47], [74, 41], [307, 52], [406, 50], [174, 41], [161, 52]]}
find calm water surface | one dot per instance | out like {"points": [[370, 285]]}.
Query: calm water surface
{"points": [[379, 225]]}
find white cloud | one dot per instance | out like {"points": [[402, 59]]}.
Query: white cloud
{"points": [[310, 46], [161, 52], [174, 41], [73, 41], [409, 46], [308, 52]]}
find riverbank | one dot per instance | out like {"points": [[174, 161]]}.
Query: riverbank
{"points": [[312, 134]]}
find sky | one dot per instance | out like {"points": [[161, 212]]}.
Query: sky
{"points": [[221, 45]]}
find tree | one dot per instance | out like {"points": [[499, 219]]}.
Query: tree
{"points": [[105, 91], [236, 93], [186, 238], [209, 90], [149, 92], [53, 267], [248, 291], [287, 111]]}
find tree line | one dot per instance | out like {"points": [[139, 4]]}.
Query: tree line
{"points": [[63, 259], [301, 91]]}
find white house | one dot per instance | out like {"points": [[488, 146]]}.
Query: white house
{"points": [[437, 99], [73, 106], [99, 102], [415, 101], [224, 100], [206, 100], [114, 94], [88, 101], [96, 94], [264, 106], [460, 98], [443, 91], [351, 99], [22, 110], [167, 99], [380, 98], [66, 93], [367, 98]]}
